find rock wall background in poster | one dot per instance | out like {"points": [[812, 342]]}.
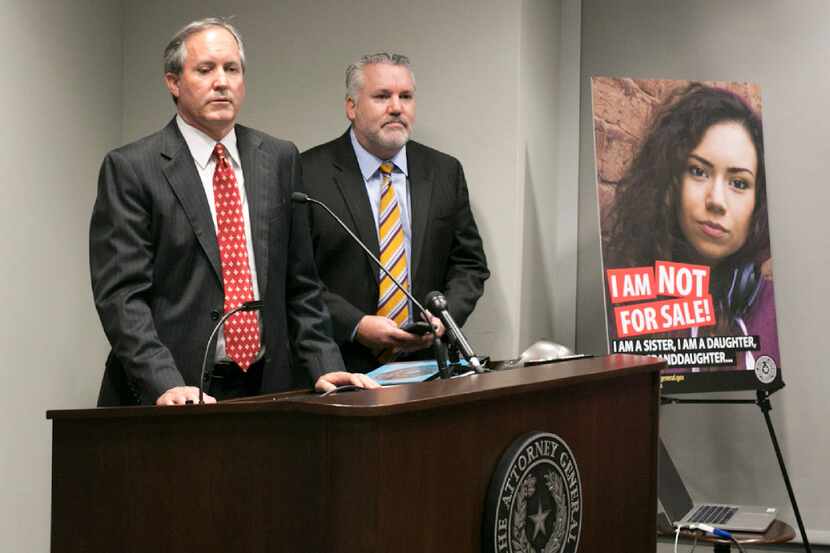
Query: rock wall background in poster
{"points": [[685, 231]]}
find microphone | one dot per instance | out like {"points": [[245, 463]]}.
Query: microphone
{"points": [[437, 304], [302, 198], [254, 305]]}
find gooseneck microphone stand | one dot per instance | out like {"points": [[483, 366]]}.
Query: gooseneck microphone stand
{"points": [[437, 344], [255, 305]]}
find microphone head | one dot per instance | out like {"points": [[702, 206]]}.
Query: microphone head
{"points": [[299, 197], [436, 302]]}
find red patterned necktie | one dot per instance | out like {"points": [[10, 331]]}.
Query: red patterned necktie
{"points": [[392, 302], [241, 330]]}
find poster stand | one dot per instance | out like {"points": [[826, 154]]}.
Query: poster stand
{"points": [[762, 400]]}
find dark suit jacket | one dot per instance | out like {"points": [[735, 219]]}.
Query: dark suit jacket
{"points": [[446, 248], [156, 274]]}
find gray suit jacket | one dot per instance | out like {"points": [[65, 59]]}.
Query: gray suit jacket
{"points": [[156, 274]]}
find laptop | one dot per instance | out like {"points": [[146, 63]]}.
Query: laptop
{"points": [[682, 511]]}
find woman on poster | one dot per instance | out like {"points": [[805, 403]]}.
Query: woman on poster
{"points": [[695, 192]]}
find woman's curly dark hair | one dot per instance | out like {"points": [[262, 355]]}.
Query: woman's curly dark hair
{"points": [[644, 225]]}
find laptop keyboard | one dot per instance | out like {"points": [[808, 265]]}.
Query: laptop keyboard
{"points": [[713, 514]]}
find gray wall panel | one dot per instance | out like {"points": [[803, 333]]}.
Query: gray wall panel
{"points": [[724, 452], [61, 81]]}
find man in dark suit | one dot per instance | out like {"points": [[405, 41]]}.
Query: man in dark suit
{"points": [[369, 176], [193, 221]]}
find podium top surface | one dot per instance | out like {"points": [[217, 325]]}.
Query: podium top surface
{"points": [[404, 398]]}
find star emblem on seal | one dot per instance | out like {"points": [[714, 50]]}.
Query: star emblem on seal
{"points": [[539, 520]]}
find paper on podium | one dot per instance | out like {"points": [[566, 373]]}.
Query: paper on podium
{"points": [[406, 372]]}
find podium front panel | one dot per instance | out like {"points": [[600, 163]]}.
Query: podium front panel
{"points": [[403, 470]]}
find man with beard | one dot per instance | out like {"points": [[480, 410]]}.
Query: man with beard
{"points": [[407, 202]]}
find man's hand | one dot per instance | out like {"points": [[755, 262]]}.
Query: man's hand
{"points": [[377, 333], [437, 325], [330, 381], [180, 395]]}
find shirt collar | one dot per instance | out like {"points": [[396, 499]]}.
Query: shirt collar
{"points": [[201, 145], [370, 163]]}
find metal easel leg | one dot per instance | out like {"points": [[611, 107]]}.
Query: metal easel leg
{"points": [[765, 405]]}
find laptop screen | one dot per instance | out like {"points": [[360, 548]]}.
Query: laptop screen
{"points": [[671, 492]]}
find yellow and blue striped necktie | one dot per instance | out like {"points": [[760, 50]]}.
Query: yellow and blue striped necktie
{"points": [[392, 302]]}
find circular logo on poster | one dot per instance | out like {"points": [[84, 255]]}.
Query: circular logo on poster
{"points": [[765, 369], [534, 503]]}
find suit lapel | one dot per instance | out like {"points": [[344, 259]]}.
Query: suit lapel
{"points": [[421, 180], [180, 171], [352, 188], [258, 173]]}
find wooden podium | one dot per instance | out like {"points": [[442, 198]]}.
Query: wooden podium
{"points": [[402, 469]]}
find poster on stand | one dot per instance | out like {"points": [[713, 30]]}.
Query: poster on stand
{"points": [[684, 225]]}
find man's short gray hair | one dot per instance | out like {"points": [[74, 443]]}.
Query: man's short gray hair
{"points": [[176, 52], [354, 72]]}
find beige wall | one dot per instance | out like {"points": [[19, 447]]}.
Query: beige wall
{"points": [[537, 117], [548, 153], [62, 91]]}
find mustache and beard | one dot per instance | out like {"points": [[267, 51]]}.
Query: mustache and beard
{"points": [[393, 133]]}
